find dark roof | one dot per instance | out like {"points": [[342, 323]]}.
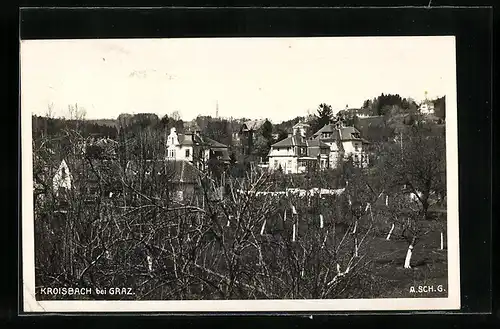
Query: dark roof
{"points": [[325, 129], [350, 133], [213, 143], [317, 144], [185, 139], [295, 140], [346, 133], [183, 171], [193, 139]]}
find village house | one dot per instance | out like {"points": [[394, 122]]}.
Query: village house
{"points": [[426, 107], [324, 149], [344, 142], [195, 148], [247, 134], [180, 177], [297, 154]]}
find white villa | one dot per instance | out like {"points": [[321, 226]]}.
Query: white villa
{"points": [[194, 148], [325, 148], [426, 107], [344, 142]]}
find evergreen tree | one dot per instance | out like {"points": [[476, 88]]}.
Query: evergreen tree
{"points": [[323, 117]]}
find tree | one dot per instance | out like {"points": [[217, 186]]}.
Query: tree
{"points": [[267, 130], [440, 107], [218, 130], [367, 104], [282, 134], [262, 146], [323, 117], [417, 162]]}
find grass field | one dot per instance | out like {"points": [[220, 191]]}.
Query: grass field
{"points": [[429, 266]]}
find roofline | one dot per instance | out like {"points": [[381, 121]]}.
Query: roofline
{"points": [[282, 156]]}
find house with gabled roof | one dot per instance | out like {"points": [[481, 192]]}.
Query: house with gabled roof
{"points": [[180, 177], [297, 154], [195, 148], [344, 142], [247, 134]]}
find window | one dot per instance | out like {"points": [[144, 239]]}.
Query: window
{"points": [[356, 146], [289, 163], [276, 164], [188, 153]]}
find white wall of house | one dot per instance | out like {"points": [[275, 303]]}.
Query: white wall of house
{"points": [[289, 164], [176, 151], [180, 152], [355, 149], [172, 138], [334, 155], [62, 177]]}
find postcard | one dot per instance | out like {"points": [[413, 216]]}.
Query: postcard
{"points": [[239, 174]]}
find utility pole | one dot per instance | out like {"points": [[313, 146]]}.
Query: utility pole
{"points": [[217, 110]]}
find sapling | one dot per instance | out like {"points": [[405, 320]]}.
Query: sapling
{"points": [[263, 228], [408, 254], [390, 232], [355, 247], [150, 263]]}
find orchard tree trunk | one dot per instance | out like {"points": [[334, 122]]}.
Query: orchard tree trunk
{"points": [[409, 254], [390, 232]]}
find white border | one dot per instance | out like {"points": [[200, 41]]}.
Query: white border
{"points": [[452, 302]]}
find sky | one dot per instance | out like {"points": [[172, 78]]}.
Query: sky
{"points": [[257, 78]]}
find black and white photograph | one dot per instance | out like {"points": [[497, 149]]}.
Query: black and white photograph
{"points": [[239, 174]]}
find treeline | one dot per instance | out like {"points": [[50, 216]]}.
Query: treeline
{"points": [[42, 125], [394, 110], [384, 103]]}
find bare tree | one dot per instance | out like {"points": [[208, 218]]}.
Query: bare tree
{"points": [[418, 164]]}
